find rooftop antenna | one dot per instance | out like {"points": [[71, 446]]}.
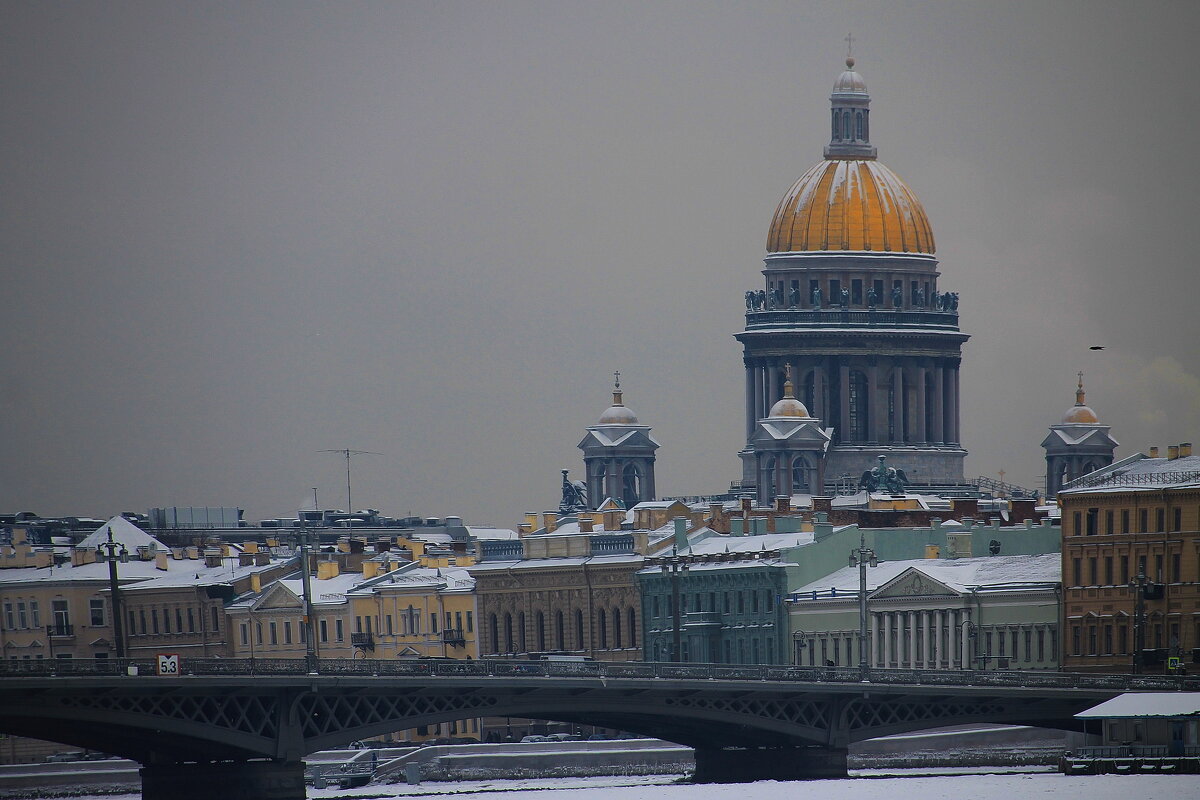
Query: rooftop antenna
{"points": [[347, 452]]}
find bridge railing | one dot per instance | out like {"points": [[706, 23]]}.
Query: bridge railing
{"points": [[512, 668]]}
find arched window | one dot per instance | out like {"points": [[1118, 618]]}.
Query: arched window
{"points": [[632, 485], [768, 478], [602, 622], [799, 476], [846, 125], [858, 422], [559, 635], [508, 634], [494, 630], [521, 631], [866, 117], [541, 631], [579, 643], [616, 622], [632, 628], [836, 132]]}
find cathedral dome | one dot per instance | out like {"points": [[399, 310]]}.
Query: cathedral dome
{"points": [[850, 205], [1080, 413], [618, 413], [788, 405]]}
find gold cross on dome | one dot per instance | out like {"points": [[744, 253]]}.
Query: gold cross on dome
{"points": [[849, 45], [617, 379]]}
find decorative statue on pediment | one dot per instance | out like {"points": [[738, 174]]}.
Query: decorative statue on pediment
{"points": [[793, 297], [574, 496], [897, 297], [816, 297], [883, 478], [872, 297]]}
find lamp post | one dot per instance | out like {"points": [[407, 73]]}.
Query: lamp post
{"points": [[1139, 584], [310, 639], [673, 568], [861, 558], [112, 555]]}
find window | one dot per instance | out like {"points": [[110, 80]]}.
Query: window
{"points": [[166, 616], [35, 616], [540, 630], [1092, 515], [1091, 640], [258, 632], [1077, 571], [287, 631], [616, 624], [1143, 520], [1076, 641], [302, 629], [61, 612], [560, 640], [274, 632], [178, 621], [1124, 520], [1124, 569], [632, 632], [10, 621], [1041, 639], [22, 618], [1108, 640], [216, 620], [1095, 576], [323, 630], [338, 634], [1108, 571], [96, 611], [1177, 519], [388, 621], [1176, 568], [191, 620], [433, 623], [859, 415], [470, 621], [141, 620], [1029, 645], [1123, 639], [579, 644], [245, 634], [153, 621], [1077, 519], [1108, 522], [601, 621]]}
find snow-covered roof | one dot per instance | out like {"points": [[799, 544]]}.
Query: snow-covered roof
{"points": [[960, 574], [570, 561], [1146, 704], [1141, 473], [491, 533], [124, 532]]}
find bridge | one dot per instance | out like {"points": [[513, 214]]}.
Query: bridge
{"points": [[240, 729]]}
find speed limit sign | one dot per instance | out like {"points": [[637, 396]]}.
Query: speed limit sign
{"points": [[168, 663]]}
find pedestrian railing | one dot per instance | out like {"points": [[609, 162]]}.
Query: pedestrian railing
{"points": [[513, 668]]}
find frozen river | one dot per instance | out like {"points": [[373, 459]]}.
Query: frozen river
{"points": [[891, 785]]}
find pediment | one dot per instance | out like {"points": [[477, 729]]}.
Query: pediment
{"points": [[408, 651], [277, 595], [618, 436], [787, 430], [914, 583]]}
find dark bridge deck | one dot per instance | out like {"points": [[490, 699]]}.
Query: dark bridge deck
{"points": [[264, 716]]}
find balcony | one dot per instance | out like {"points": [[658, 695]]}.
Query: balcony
{"points": [[363, 641], [837, 317], [454, 637], [60, 630]]}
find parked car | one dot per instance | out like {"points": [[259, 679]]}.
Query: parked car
{"points": [[535, 738]]}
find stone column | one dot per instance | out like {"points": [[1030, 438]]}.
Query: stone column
{"points": [[821, 410], [965, 643], [844, 406], [938, 434], [900, 405], [758, 395], [877, 430], [921, 434], [774, 390], [939, 619], [873, 632], [887, 640], [954, 420], [750, 420]]}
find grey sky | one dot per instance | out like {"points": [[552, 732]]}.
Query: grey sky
{"points": [[235, 234]]}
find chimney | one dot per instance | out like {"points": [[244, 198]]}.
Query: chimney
{"points": [[160, 560], [1172, 452], [548, 521], [382, 545], [1154, 452], [1185, 449], [783, 503], [586, 524], [681, 540], [249, 547], [326, 570], [822, 504], [255, 583], [245, 559], [82, 555], [370, 569], [261, 559], [212, 560]]}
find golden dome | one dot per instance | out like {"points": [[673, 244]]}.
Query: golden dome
{"points": [[1079, 413], [618, 413], [850, 205], [788, 405]]}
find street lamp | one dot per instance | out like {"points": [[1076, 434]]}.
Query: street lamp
{"points": [[108, 551], [861, 558], [673, 568], [1139, 584], [310, 639]]}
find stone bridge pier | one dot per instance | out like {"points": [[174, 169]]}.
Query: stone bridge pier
{"points": [[258, 779], [747, 764]]}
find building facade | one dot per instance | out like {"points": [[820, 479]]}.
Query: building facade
{"points": [[1131, 564], [852, 307]]}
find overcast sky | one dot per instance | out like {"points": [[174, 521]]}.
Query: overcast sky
{"points": [[236, 234]]}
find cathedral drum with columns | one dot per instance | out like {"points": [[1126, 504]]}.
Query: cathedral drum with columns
{"points": [[852, 312]]}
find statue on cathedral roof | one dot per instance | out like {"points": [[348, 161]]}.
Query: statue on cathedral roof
{"points": [[883, 478], [574, 496]]}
